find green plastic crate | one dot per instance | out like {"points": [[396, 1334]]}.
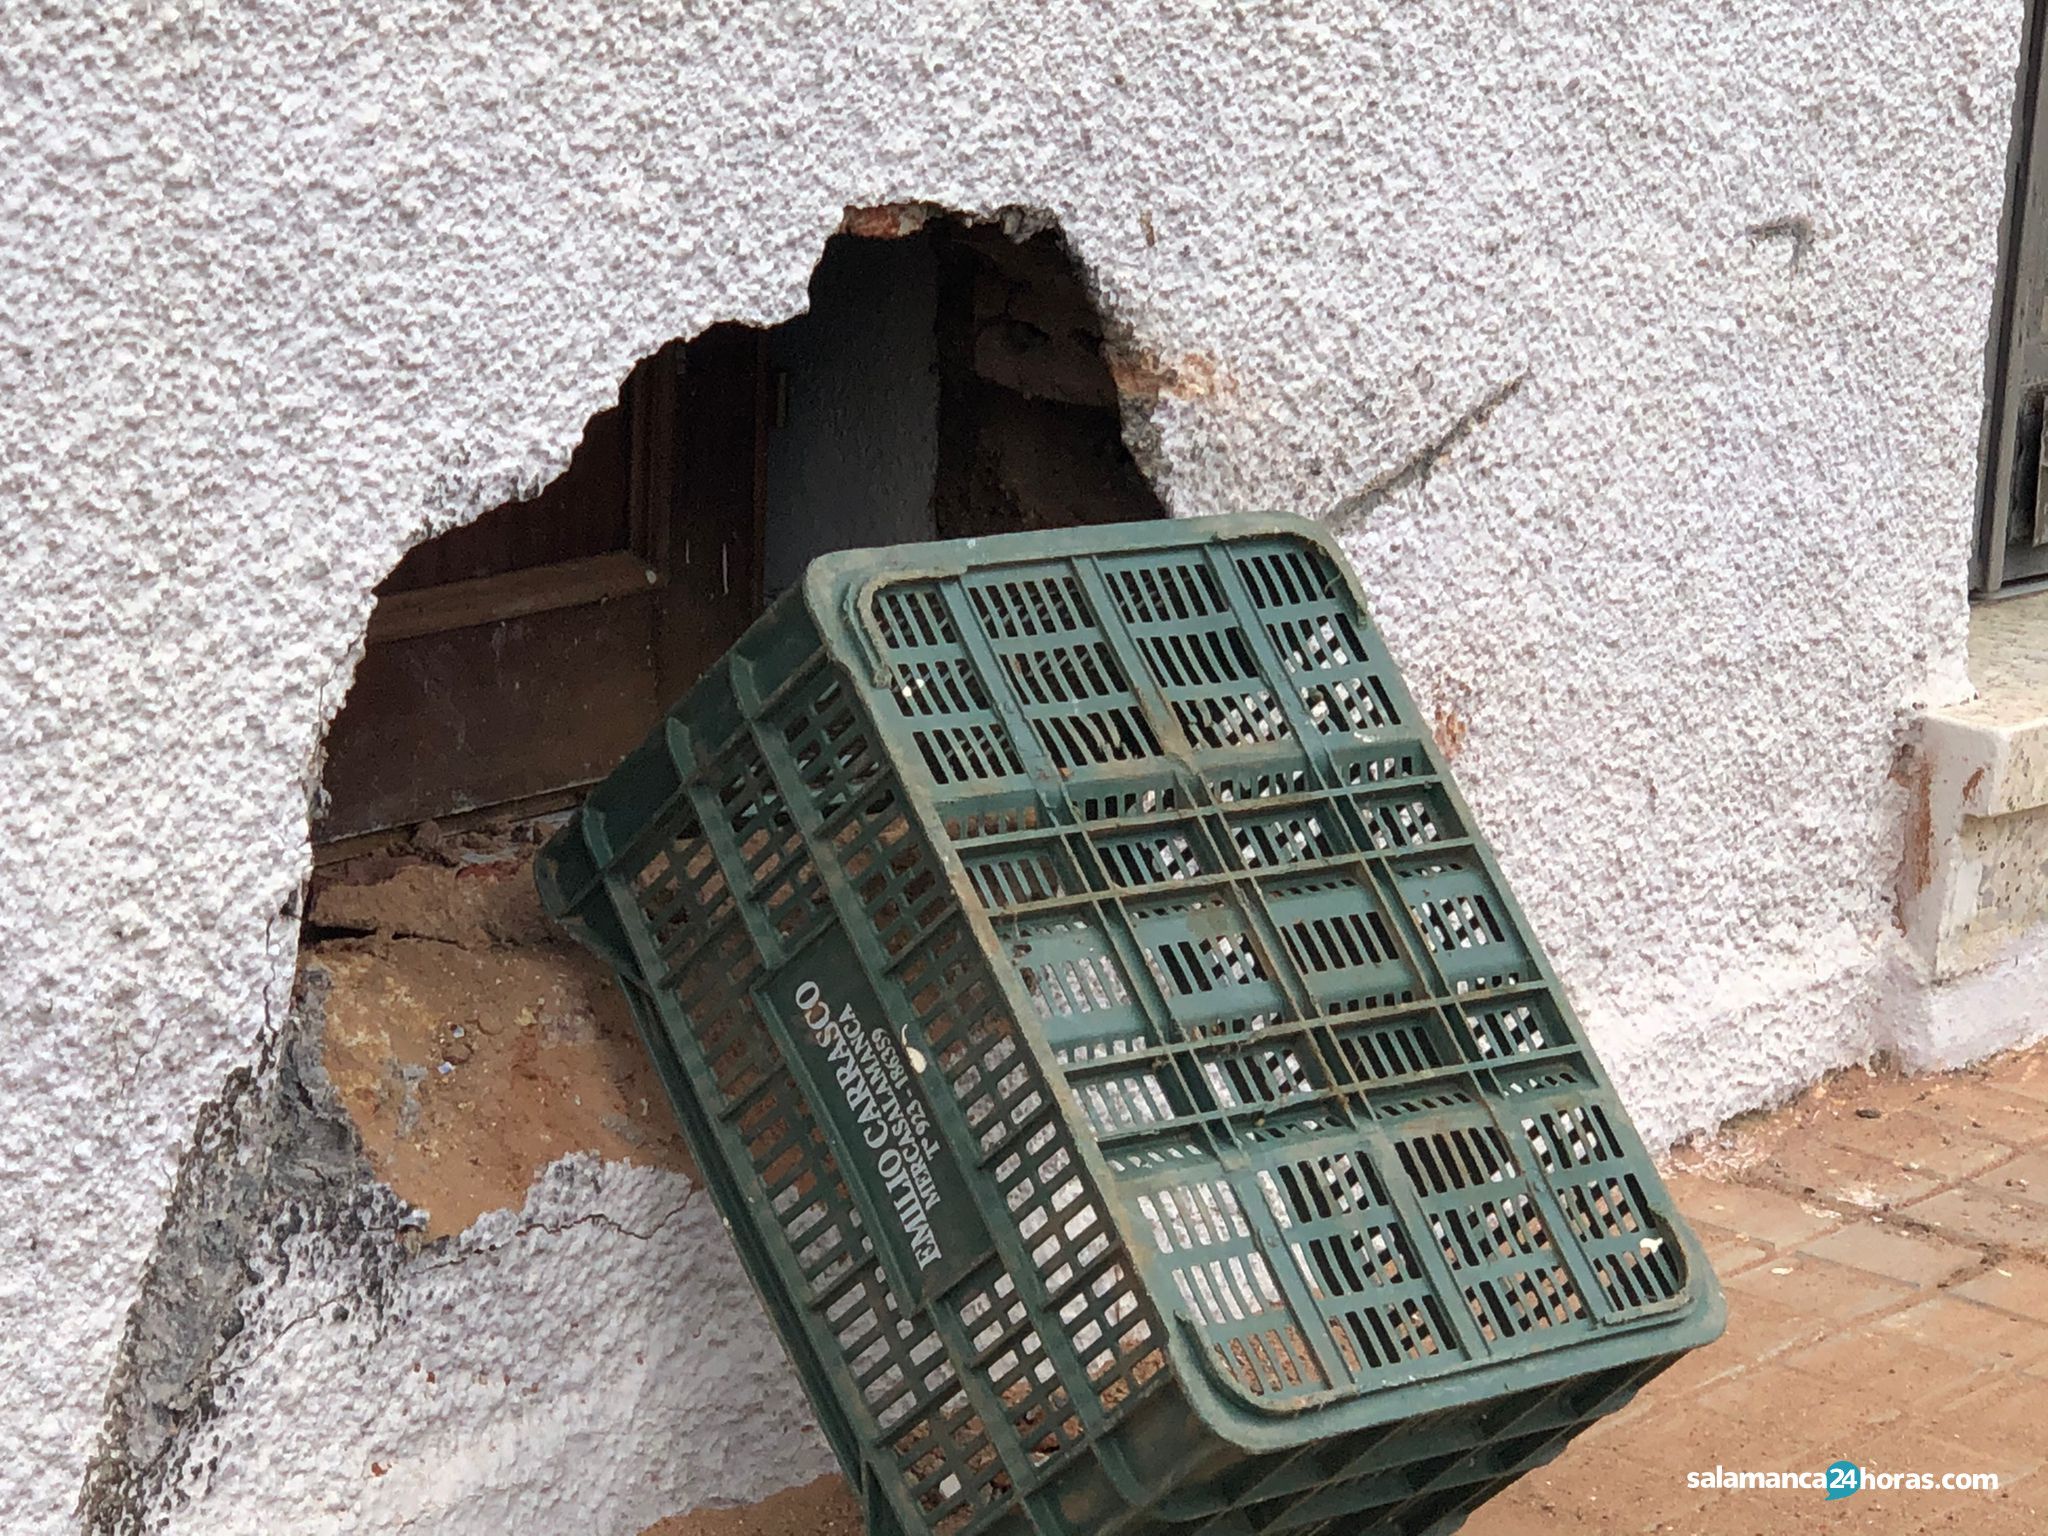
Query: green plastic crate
{"points": [[1127, 1079]]}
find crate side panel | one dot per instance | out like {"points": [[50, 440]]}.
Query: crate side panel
{"points": [[1243, 905]]}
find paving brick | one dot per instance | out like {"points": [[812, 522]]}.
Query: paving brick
{"points": [[2006, 1513], [1758, 1328], [1751, 1511], [1831, 1293], [1917, 1141], [1702, 1366], [1517, 1511], [2025, 1500], [1911, 1258], [1728, 1251], [1776, 1220], [1549, 1501], [1989, 1217], [1885, 1342], [1608, 1491], [1984, 1105], [1848, 1092], [2000, 1421], [1838, 1175], [1703, 1437], [1798, 1511], [1904, 1512], [1964, 1328], [1917, 1442], [1898, 1369], [2024, 1074], [2015, 1286], [1807, 1512], [1807, 1418], [2024, 1178]]}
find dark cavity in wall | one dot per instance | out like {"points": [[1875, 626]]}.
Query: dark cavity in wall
{"points": [[950, 378], [1031, 430]]}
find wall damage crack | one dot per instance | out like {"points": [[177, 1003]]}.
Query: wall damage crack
{"points": [[470, 1251], [1415, 470], [600, 1219]]}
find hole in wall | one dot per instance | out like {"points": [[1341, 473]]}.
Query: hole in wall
{"points": [[949, 379], [948, 382]]}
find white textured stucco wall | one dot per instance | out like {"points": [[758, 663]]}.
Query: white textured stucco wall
{"points": [[286, 287]]}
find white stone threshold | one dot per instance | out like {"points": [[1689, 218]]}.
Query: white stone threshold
{"points": [[1973, 877]]}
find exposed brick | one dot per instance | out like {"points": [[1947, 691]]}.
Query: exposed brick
{"points": [[888, 221]]}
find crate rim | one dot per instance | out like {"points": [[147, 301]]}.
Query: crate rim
{"points": [[837, 587]]}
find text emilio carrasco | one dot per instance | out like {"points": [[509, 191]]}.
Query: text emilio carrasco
{"points": [[871, 1072]]}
